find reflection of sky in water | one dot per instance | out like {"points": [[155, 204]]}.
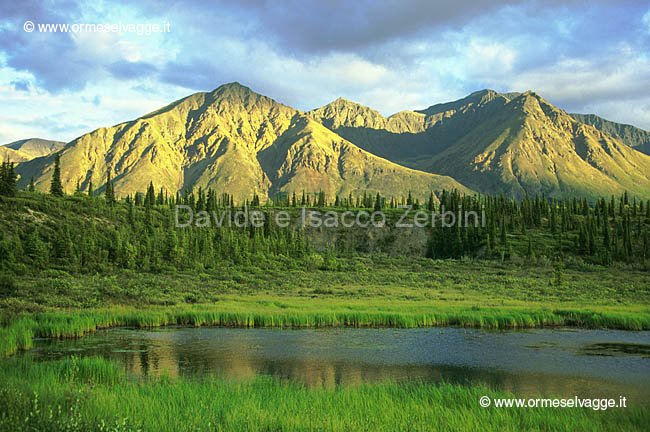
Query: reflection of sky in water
{"points": [[559, 362]]}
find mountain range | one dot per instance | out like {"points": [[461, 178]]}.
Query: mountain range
{"points": [[237, 141]]}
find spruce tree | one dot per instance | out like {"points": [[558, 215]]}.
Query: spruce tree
{"points": [[31, 186], [7, 179], [109, 194], [56, 188]]}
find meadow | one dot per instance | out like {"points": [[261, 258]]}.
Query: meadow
{"points": [[378, 291]]}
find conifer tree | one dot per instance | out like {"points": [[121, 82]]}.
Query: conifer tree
{"points": [[56, 188], [110, 193], [7, 179]]}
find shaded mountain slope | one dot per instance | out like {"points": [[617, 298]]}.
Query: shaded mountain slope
{"points": [[529, 145], [633, 136]]}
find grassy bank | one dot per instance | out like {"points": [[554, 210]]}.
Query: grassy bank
{"points": [[269, 311], [94, 394], [377, 291]]}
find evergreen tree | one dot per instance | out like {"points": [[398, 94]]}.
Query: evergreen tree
{"points": [[378, 205], [31, 187], [56, 188], [109, 194], [150, 197], [7, 179]]}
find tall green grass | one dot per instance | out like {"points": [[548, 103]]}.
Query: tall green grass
{"points": [[302, 314], [95, 394]]}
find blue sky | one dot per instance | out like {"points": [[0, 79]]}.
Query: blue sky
{"points": [[591, 57]]}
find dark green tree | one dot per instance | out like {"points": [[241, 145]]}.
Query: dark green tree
{"points": [[7, 179], [56, 188], [109, 194]]}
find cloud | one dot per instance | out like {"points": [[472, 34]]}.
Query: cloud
{"points": [[131, 69], [21, 85], [408, 54]]}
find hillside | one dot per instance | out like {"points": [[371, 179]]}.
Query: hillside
{"points": [[28, 149], [531, 146], [232, 140], [237, 141], [409, 136], [630, 135], [491, 142]]}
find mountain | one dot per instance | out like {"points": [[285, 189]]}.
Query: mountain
{"points": [[630, 135], [493, 142], [528, 145], [232, 140], [28, 149], [409, 136]]}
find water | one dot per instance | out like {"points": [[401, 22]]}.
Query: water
{"points": [[586, 363]]}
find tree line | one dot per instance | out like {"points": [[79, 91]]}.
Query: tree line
{"points": [[92, 232]]}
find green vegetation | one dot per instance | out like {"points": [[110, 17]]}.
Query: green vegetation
{"points": [[270, 311], [545, 267], [95, 394], [71, 265]]}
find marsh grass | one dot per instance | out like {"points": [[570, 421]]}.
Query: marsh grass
{"points": [[96, 394], [264, 311]]}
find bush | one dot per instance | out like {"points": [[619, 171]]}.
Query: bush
{"points": [[314, 261], [7, 286]]}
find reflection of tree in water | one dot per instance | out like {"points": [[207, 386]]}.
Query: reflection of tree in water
{"points": [[308, 357], [144, 359]]}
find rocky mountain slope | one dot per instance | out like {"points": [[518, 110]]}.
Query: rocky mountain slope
{"points": [[232, 140], [492, 142], [634, 137]]}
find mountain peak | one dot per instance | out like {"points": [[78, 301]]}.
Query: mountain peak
{"points": [[233, 89], [477, 98], [342, 112], [345, 103]]}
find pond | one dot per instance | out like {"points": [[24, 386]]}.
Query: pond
{"points": [[564, 362]]}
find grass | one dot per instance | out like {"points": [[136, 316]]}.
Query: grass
{"points": [[369, 277], [374, 291], [269, 311], [95, 394]]}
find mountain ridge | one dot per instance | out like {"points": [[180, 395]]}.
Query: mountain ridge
{"points": [[233, 140], [633, 136], [463, 140]]}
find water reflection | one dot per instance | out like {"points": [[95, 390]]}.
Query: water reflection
{"points": [[526, 362]]}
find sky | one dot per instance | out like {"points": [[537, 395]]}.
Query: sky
{"points": [[392, 55]]}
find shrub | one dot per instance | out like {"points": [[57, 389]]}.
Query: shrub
{"points": [[7, 286]]}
